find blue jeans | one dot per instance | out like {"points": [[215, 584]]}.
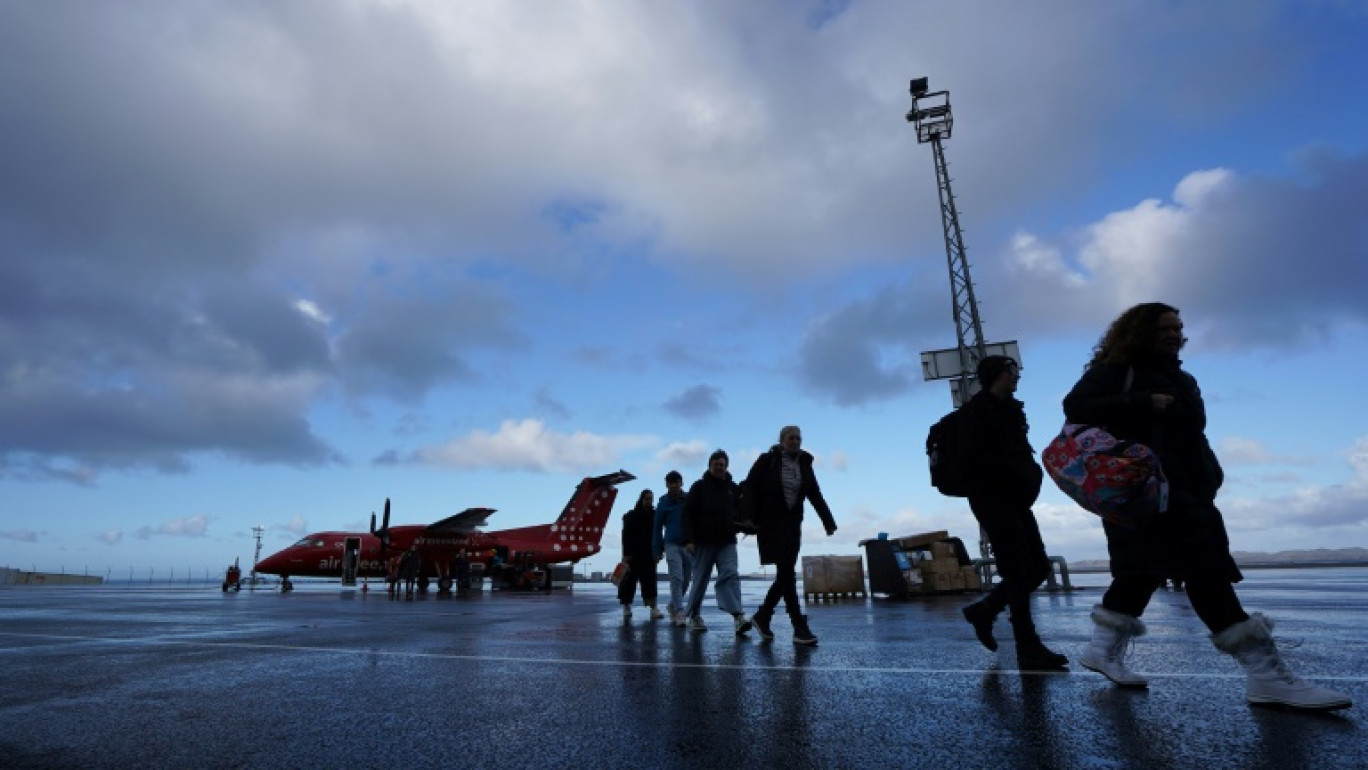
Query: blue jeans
{"points": [[728, 590], [679, 564]]}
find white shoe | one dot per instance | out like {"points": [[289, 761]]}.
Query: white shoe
{"points": [[1270, 682], [742, 624], [696, 624], [655, 613], [1106, 653]]}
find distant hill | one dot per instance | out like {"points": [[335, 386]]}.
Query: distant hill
{"points": [[1254, 558]]}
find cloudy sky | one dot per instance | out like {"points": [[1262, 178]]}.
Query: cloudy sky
{"points": [[269, 263]]}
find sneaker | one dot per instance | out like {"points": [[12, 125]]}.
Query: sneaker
{"points": [[679, 619], [743, 624], [655, 613], [801, 633], [761, 621], [696, 624]]}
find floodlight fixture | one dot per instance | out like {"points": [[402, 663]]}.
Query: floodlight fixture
{"points": [[930, 112]]}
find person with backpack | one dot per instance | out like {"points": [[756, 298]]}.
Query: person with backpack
{"points": [[1003, 483], [1135, 385], [778, 483]]}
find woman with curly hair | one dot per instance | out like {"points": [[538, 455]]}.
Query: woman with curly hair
{"points": [[1135, 386]]}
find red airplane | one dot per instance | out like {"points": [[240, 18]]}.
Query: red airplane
{"points": [[517, 556]]}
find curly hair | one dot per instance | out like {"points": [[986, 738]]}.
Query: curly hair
{"points": [[1131, 336]]}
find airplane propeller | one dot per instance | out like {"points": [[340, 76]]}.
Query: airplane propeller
{"points": [[383, 532]]}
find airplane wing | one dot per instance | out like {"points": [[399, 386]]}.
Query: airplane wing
{"points": [[466, 521]]}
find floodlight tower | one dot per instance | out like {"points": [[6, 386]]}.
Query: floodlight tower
{"points": [[931, 115]]}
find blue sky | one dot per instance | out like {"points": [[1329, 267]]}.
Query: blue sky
{"points": [[269, 263]]}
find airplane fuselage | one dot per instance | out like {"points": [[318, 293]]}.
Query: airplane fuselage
{"points": [[573, 536]]}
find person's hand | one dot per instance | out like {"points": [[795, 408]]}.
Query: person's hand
{"points": [[1161, 401], [831, 530]]}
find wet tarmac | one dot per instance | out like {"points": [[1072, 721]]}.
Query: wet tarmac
{"points": [[330, 677]]}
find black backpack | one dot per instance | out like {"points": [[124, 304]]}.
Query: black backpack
{"points": [[947, 452]]}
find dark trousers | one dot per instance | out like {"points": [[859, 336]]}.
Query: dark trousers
{"points": [[1212, 598], [642, 572], [1019, 553], [785, 587]]}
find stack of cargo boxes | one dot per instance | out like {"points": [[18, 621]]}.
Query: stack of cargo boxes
{"points": [[931, 562], [938, 568]]}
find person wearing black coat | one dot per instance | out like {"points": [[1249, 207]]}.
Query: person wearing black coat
{"points": [[1004, 484], [778, 483], [1136, 388], [639, 556], [710, 538]]}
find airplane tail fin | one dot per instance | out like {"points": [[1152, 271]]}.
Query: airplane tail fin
{"points": [[580, 527]]}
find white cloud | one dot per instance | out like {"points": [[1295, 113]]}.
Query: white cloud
{"points": [[111, 536], [185, 526], [530, 445]]}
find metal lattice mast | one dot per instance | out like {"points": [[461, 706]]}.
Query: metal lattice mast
{"points": [[968, 327]]}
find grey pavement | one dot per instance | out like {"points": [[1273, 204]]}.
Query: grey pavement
{"points": [[146, 676]]}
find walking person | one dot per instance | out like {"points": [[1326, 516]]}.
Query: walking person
{"points": [[667, 540], [710, 538], [1004, 482], [639, 556], [780, 480], [1135, 386]]}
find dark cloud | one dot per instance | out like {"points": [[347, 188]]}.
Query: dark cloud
{"points": [[870, 349], [699, 402], [547, 403]]}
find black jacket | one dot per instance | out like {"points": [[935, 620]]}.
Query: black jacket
{"points": [[709, 511], [781, 527], [636, 533], [1190, 539], [1002, 465]]}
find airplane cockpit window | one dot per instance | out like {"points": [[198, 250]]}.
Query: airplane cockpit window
{"points": [[308, 543]]}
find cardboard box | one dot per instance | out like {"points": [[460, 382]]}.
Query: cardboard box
{"points": [[833, 574], [944, 549], [924, 540], [972, 581], [941, 581], [939, 565]]}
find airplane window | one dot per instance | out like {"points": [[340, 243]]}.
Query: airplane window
{"points": [[305, 541]]}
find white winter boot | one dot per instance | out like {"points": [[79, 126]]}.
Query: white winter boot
{"points": [[1106, 653], [1251, 642]]}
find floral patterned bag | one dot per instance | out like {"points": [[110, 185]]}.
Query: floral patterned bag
{"points": [[1121, 481]]}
